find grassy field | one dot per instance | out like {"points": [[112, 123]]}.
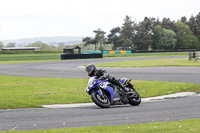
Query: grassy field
{"points": [[31, 92], [151, 63], [160, 54], [184, 126], [38, 57], [27, 58]]}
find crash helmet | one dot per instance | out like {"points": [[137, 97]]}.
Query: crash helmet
{"points": [[91, 69]]}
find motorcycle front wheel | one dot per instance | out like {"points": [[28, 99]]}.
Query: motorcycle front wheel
{"points": [[103, 102], [134, 99]]}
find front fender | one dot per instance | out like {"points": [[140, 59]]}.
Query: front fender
{"points": [[110, 90], [99, 92]]}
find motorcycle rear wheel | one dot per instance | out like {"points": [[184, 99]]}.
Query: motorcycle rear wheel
{"points": [[99, 101], [136, 100]]}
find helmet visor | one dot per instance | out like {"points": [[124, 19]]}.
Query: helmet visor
{"points": [[89, 71]]}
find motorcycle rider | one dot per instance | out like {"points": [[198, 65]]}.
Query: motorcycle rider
{"points": [[102, 74]]}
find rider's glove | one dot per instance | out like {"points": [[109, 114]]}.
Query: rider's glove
{"points": [[86, 90], [126, 81], [102, 77]]}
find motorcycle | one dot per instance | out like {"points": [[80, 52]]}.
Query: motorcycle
{"points": [[104, 94]]}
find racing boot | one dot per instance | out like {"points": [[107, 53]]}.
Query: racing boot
{"points": [[125, 89], [118, 83]]}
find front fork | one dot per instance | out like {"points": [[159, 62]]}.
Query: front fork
{"points": [[100, 93]]}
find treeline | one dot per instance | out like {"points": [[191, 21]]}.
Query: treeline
{"points": [[31, 52], [41, 45], [151, 34]]}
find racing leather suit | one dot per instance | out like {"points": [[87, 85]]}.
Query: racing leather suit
{"points": [[102, 74]]}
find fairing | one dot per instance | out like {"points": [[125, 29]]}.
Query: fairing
{"points": [[94, 82]]}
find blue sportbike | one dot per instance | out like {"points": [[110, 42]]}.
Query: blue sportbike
{"points": [[104, 94]]}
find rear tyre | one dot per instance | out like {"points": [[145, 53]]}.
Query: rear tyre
{"points": [[134, 99], [100, 101]]}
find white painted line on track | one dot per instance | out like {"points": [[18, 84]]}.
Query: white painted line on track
{"points": [[170, 96], [149, 99]]}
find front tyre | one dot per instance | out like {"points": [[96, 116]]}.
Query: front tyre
{"points": [[100, 101], [134, 99]]}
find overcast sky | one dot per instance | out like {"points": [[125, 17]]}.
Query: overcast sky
{"points": [[44, 18]]}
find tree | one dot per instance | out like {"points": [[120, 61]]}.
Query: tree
{"points": [[113, 37], [11, 44], [144, 36], [193, 25], [39, 44], [89, 40], [127, 32], [163, 38], [168, 24], [184, 20], [197, 32], [1, 44], [61, 46], [185, 37], [51, 47], [99, 39]]}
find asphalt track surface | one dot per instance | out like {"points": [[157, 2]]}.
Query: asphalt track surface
{"points": [[72, 69], [160, 111], [146, 112]]}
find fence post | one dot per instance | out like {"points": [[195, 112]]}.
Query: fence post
{"points": [[190, 56], [194, 55], [197, 56]]}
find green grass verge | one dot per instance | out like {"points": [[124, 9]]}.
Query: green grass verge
{"points": [[31, 52], [151, 63], [25, 57], [31, 92], [27, 61], [28, 58], [184, 126], [148, 54]]}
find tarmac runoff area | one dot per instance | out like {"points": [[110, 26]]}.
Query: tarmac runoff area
{"points": [[149, 99]]}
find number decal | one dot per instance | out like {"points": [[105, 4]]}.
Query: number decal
{"points": [[103, 85]]}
